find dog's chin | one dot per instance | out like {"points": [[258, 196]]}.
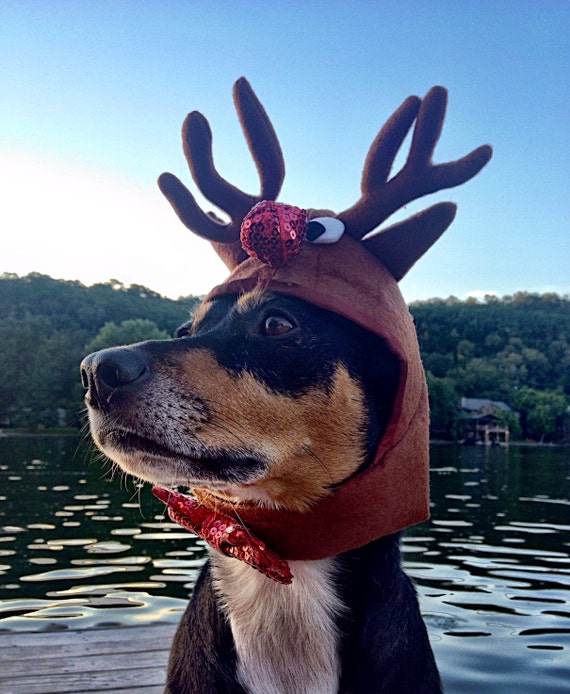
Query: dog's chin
{"points": [[165, 465], [250, 493]]}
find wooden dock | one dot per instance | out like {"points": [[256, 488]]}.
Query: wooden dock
{"points": [[116, 661]]}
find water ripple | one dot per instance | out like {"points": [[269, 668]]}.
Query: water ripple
{"points": [[491, 567]]}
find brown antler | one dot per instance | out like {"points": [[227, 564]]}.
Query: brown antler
{"points": [[398, 247], [197, 140], [401, 245]]}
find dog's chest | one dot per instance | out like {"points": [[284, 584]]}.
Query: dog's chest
{"points": [[286, 637]]}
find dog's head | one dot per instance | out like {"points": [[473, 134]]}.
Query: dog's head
{"points": [[261, 397], [297, 392]]}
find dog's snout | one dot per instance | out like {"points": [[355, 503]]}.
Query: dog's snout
{"points": [[110, 370]]}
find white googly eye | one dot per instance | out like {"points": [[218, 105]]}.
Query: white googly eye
{"points": [[324, 230]]}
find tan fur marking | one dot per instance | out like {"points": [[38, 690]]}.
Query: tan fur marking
{"points": [[312, 442], [200, 313], [250, 301]]}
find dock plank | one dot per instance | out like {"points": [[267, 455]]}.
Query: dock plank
{"points": [[95, 641], [117, 661]]}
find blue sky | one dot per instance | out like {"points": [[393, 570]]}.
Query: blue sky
{"points": [[93, 94]]}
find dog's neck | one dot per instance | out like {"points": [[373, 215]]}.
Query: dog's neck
{"points": [[286, 637]]}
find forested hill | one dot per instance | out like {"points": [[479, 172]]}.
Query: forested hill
{"points": [[515, 349], [503, 344], [73, 306], [47, 326]]}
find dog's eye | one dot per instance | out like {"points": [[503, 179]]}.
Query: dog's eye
{"points": [[276, 324]]}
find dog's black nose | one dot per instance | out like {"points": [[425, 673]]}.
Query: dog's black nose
{"points": [[110, 370]]}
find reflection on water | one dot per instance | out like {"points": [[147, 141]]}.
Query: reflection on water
{"points": [[492, 567], [79, 550]]}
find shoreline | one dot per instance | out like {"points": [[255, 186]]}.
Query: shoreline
{"points": [[26, 434]]}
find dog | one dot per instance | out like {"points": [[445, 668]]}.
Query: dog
{"points": [[270, 400], [293, 407]]}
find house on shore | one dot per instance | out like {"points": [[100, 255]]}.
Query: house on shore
{"points": [[485, 421]]}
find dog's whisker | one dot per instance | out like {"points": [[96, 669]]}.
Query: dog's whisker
{"points": [[308, 449]]}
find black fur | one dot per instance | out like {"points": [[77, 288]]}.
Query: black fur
{"points": [[386, 649]]}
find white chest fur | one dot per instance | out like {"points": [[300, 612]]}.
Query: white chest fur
{"points": [[285, 636]]}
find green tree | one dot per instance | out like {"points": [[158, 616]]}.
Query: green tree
{"points": [[512, 420], [45, 325], [126, 333], [482, 378], [542, 413], [444, 407], [38, 369]]}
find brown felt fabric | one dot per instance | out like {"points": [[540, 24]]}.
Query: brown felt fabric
{"points": [[394, 492], [357, 279]]}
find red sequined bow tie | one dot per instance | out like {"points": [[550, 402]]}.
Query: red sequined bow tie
{"points": [[225, 534]]}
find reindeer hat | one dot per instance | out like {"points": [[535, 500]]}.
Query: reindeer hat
{"points": [[334, 262]]}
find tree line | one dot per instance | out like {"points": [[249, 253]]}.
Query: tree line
{"points": [[47, 326], [515, 349]]}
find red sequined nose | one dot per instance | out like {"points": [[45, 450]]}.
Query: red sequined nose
{"points": [[274, 232]]}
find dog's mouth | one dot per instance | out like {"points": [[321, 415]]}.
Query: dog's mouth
{"points": [[127, 442], [177, 463]]}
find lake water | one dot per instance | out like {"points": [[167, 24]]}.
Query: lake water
{"points": [[80, 550]]}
